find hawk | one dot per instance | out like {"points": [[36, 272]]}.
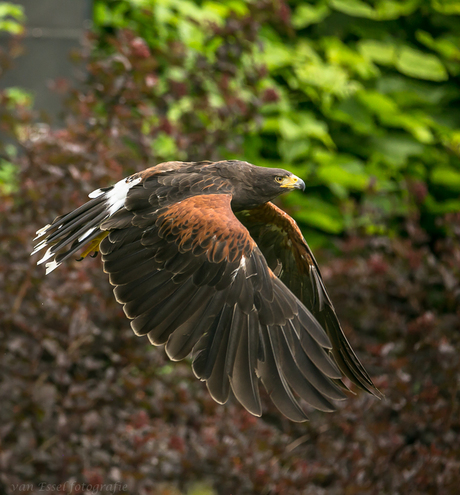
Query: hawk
{"points": [[203, 262]]}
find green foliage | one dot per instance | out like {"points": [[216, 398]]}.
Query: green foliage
{"points": [[9, 177], [18, 97], [15, 104], [368, 105], [361, 98], [11, 18], [194, 66], [160, 22]]}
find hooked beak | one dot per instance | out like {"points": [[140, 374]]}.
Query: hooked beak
{"points": [[293, 182]]}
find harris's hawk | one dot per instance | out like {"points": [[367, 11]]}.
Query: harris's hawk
{"points": [[204, 263]]}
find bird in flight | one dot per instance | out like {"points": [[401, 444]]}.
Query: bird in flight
{"points": [[203, 262]]}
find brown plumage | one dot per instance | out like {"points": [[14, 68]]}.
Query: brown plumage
{"points": [[204, 263]]}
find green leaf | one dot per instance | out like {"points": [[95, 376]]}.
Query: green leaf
{"points": [[378, 103], [441, 207], [393, 9], [11, 27], [447, 7], [415, 63], [9, 177], [11, 18], [8, 9], [412, 92], [390, 115], [276, 55], [291, 151], [317, 213], [447, 46], [384, 9], [415, 123], [305, 15], [330, 79], [351, 180], [164, 147], [396, 149], [446, 177], [20, 96], [239, 7], [355, 114], [451, 139], [355, 8], [221, 10], [338, 53], [378, 51], [299, 125]]}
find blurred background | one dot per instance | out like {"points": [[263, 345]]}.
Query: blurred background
{"points": [[360, 98]]}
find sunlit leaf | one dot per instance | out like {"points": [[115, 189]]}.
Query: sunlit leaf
{"points": [[448, 48], [276, 55], [338, 53], [422, 65], [355, 8], [447, 7], [393, 9], [305, 15], [446, 177], [9, 177], [379, 52], [337, 174], [319, 214], [164, 147], [12, 18]]}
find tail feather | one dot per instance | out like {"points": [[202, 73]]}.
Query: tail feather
{"points": [[64, 223], [80, 234], [68, 233], [59, 221]]}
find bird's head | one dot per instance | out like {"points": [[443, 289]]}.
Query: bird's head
{"points": [[286, 181], [257, 185]]}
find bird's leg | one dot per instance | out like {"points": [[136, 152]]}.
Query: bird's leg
{"points": [[93, 246]]}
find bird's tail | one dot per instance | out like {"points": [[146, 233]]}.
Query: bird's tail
{"points": [[68, 233], [82, 227]]}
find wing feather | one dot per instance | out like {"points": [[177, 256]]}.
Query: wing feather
{"points": [[274, 380], [243, 378], [195, 279], [288, 254]]}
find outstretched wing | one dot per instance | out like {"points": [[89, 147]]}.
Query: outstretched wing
{"points": [[289, 257], [190, 276]]}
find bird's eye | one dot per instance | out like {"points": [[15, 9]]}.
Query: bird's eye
{"points": [[279, 179]]}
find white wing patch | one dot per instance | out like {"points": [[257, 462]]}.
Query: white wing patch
{"points": [[115, 198]]}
